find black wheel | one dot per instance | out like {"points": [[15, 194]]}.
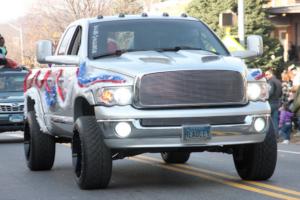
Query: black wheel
{"points": [[257, 161], [175, 157], [39, 147], [92, 160]]}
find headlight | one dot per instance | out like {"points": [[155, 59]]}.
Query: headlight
{"points": [[258, 91], [114, 96]]}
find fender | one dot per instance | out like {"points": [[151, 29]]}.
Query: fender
{"points": [[33, 94]]}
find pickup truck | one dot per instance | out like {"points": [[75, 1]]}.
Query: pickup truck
{"points": [[120, 86]]}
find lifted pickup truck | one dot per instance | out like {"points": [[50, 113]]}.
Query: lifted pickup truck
{"points": [[126, 85]]}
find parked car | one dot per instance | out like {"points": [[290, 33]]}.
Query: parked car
{"points": [[11, 99], [125, 85]]}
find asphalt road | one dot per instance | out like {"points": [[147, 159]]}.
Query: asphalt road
{"points": [[206, 176]]}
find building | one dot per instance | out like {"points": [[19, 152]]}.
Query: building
{"points": [[285, 15]]}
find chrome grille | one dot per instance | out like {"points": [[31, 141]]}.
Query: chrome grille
{"points": [[11, 108], [219, 120], [190, 88]]}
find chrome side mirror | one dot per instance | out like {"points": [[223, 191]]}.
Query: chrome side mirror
{"points": [[43, 50], [254, 48]]}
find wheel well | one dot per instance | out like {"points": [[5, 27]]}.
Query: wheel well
{"points": [[30, 104], [83, 108]]}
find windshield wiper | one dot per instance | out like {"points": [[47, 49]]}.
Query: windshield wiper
{"points": [[177, 48], [115, 53]]}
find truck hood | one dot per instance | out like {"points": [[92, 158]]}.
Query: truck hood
{"points": [[11, 97], [143, 62]]}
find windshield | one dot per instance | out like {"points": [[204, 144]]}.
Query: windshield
{"points": [[107, 38], [11, 82]]}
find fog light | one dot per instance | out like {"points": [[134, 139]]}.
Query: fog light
{"points": [[259, 124], [123, 129]]}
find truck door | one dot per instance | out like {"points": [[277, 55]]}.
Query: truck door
{"points": [[64, 78]]}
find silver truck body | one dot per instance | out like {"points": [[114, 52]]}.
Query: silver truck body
{"points": [[59, 119]]}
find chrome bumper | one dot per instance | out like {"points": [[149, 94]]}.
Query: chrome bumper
{"points": [[169, 137]]}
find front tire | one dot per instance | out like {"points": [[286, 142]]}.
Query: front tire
{"points": [[92, 160], [175, 157], [39, 147], [257, 161]]}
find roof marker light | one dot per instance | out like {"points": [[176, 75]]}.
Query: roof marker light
{"points": [[166, 14], [184, 15], [122, 15], [144, 15]]}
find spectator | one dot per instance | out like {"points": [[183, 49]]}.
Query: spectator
{"points": [[296, 108], [295, 77], [285, 123], [292, 52], [275, 91], [286, 87]]}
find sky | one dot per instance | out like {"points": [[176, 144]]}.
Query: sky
{"points": [[12, 9]]}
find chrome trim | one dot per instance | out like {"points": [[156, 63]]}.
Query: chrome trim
{"points": [[128, 112], [15, 105], [176, 142], [137, 84], [61, 119], [163, 137]]}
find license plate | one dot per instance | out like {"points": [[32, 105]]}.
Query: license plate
{"points": [[197, 133], [16, 118]]}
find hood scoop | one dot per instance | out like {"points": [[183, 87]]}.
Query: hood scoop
{"points": [[159, 60], [206, 59]]}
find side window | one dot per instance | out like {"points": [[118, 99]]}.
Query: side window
{"points": [[63, 48], [75, 42]]}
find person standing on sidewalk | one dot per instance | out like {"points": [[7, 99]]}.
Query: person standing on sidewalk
{"points": [[295, 108], [275, 91], [285, 123]]}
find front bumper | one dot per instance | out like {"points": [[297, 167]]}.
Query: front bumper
{"points": [[171, 137], [7, 124]]}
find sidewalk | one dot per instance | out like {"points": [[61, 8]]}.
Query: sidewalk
{"points": [[295, 139]]}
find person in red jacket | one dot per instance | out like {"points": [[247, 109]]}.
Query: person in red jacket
{"points": [[4, 61]]}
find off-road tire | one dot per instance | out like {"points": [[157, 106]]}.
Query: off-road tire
{"points": [[257, 161], [175, 157], [39, 147], [92, 159]]}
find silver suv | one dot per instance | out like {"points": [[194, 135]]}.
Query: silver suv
{"points": [[125, 85]]}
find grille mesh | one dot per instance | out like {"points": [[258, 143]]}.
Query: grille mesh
{"points": [[191, 88], [10, 108], [157, 122]]}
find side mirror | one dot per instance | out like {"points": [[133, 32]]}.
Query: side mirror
{"points": [[43, 50], [44, 55], [254, 48]]}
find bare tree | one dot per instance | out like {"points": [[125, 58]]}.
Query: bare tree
{"points": [[47, 19], [127, 6]]}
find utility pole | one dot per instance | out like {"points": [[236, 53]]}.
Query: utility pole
{"points": [[241, 21], [20, 30]]}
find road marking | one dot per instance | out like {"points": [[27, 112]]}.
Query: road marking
{"points": [[292, 152], [235, 178], [232, 183]]}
